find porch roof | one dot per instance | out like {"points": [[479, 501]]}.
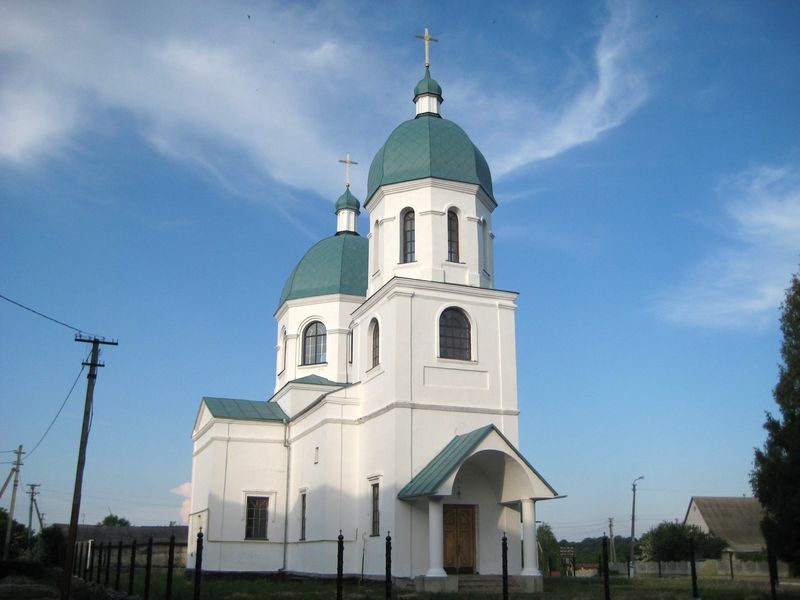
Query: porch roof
{"points": [[428, 481]]}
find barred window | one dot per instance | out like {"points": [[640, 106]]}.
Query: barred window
{"points": [[256, 522], [452, 236], [376, 515], [314, 339], [408, 236], [454, 335], [375, 334]]}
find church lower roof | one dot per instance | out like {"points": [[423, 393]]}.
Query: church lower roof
{"points": [[244, 410]]}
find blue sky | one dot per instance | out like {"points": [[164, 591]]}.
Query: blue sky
{"points": [[164, 165]]}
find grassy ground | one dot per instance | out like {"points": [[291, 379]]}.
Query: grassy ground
{"points": [[554, 589]]}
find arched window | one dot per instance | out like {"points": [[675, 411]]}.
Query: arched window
{"points": [[408, 236], [454, 335], [283, 349], [376, 246], [314, 344], [452, 236], [375, 338]]}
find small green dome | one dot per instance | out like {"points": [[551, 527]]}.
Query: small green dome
{"points": [[428, 146], [347, 200], [335, 265], [428, 85]]}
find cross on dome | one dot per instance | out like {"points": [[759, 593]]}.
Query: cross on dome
{"points": [[347, 162], [426, 37]]}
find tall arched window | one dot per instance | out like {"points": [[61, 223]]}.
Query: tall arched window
{"points": [[376, 246], [375, 339], [314, 338], [454, 335], [452, 236], [408, 236], [283, 349]]}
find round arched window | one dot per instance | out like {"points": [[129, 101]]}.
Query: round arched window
{"points": [[314, 338], [454, 335]]}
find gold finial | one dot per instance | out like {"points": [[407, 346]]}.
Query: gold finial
{"points": [[347, 162], [428, 39]]}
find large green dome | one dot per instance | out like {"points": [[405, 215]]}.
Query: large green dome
{"points": [[335, 265], [428, 146]]}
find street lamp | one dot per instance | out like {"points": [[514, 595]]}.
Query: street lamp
{"points": [[631, 564]]}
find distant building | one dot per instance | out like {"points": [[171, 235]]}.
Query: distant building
{"points": [[735, 520]]}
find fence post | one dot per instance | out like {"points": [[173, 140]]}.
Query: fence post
{"points": [[659, 569], [119, 566], [504, 554], [773, 573], [170, 561], [91, 562], [100, 563], [339, 565], [388, 565], [76, 566], [198, 565], [606, 588], [148, 567], [695, 594], [108, 562], [730, 561], [133, 568]]}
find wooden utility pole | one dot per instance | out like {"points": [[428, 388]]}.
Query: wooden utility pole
{"points": [[93, 365], [10, 523]]}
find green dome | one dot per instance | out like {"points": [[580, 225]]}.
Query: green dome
{"points": [[427, 85], [347, 200], [429, 146], [335, 265]]}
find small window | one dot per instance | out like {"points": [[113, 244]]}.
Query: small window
{"points": [[376, 515], [454, 335], [452, 236], [350, 346], [284, 347], [316, 455], [303, 516], [408, 254], [256, 522], [314, 339], [375, 337]]}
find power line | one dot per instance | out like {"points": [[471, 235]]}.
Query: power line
{"points": [[60, 408], [36, 312]]}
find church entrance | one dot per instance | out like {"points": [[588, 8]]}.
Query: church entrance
{"points": [[459, 538]]}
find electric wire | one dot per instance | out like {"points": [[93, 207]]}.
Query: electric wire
{"points": [[60, 408], [41, 314]]}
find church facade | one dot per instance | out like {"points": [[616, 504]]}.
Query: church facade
{"points": [[395, 405]]}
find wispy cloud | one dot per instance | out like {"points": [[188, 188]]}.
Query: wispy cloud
{"points": [[618, 88], [742, 282], [184, 490]]}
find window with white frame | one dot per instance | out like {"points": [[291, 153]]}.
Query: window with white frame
{"points": [[256, 518]]}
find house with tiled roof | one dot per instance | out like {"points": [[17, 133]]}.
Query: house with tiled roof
{"points": [[737, 520]]}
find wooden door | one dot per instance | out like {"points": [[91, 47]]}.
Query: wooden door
{"points": [[459, 538]]}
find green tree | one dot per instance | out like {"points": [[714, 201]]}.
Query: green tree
{"points": [[113, 520], [776, 474], [19, 535], [670, 541], [549, 553]]}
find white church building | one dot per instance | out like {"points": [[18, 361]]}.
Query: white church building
{"points": [[395, 405]]}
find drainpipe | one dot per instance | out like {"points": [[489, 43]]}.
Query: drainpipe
{"points": [[286, 498]]}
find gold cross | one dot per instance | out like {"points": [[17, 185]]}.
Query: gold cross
{"points": [[428, 39], [347, 162]]}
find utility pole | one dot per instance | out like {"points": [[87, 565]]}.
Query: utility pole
{"points": [[632, 562], [10, 523], [32, 493], [612, 552], [93, 365]]}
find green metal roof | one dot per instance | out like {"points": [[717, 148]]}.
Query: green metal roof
{"points": [[428, 480], [428, 85], [335, 265], [244, 410], [315, 380], [428, 146], [347, 200]]}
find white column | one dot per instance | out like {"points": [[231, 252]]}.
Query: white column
{"points": [[435, 538], [529, 546]]}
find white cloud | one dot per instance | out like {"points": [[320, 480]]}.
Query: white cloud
{"points": [[742, 283], [618, 89], [185, 490]]}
